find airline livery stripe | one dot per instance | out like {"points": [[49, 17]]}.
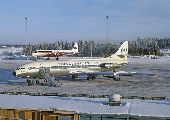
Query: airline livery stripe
{"points": [[44, 52], [66, 52], [58, 52]]}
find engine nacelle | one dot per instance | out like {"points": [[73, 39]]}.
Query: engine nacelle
{"points": [[108, 65]]}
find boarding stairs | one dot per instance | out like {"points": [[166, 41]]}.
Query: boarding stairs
{"points": [[49, 77]]}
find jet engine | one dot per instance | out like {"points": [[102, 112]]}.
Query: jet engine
{"points": [[109, 65]]}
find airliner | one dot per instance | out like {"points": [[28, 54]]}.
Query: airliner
{"points": [[91, 67], [55, 53]]}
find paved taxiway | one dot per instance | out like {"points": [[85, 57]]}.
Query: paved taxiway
{"points": [[147, 86]]}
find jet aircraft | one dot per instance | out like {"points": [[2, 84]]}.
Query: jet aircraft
{"points": [[90, 67], [55, 53]]}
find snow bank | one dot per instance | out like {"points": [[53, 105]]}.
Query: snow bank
{"points": [[152, 108]]}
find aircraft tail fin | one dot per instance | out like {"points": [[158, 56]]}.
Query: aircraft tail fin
{"points": [[122, 53], [75, 48]]}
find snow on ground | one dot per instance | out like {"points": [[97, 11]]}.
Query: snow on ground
{"points": [[83, 105], [12, 49], [144, 86]]}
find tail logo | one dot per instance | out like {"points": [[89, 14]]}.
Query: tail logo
{"points": [[123, 50]]}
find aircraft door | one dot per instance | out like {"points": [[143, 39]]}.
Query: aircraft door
{"points": [[47, 70]]}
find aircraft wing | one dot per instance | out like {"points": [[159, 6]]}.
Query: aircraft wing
{"points": [[112, 73], [132, 74]]}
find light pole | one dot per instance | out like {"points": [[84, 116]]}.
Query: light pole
{"points": [[107, 35], [26, 30], [26, 37], [107, 28], [26, 24]]}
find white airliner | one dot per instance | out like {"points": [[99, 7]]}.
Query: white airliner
{"points": [[55, 53], [90, 67]]}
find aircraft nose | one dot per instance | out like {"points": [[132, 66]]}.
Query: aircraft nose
{"points": [[14, 73]]}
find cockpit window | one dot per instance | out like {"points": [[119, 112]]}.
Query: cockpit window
{"points": [[22, 68], [17, 68]]}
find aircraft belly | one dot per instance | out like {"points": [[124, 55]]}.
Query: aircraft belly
{"points": [[43, 55], [60, 72], [30, 75], [94, 69], [100, 69]]}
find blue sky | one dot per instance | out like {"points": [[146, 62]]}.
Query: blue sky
{"points": [[73, 20]]}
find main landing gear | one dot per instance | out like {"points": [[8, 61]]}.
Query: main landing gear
{"points": [[75, 76], [116, 77], [57, 58], [93, 77]]}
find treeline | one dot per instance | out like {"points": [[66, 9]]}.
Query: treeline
{"points": [[147, 46]]}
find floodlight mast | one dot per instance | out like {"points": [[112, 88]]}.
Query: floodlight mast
{"points": [[107, 17], [26, 24], [107, 35], [26, 36]]}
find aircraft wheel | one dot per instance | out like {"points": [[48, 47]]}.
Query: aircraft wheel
{"points": [[117, 79], [88, 78], [48, 58], [37, 82], [93, 77], [73, 76]]}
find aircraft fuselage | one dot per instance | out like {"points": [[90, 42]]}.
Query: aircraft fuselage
{"points": [[65, 68]]}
